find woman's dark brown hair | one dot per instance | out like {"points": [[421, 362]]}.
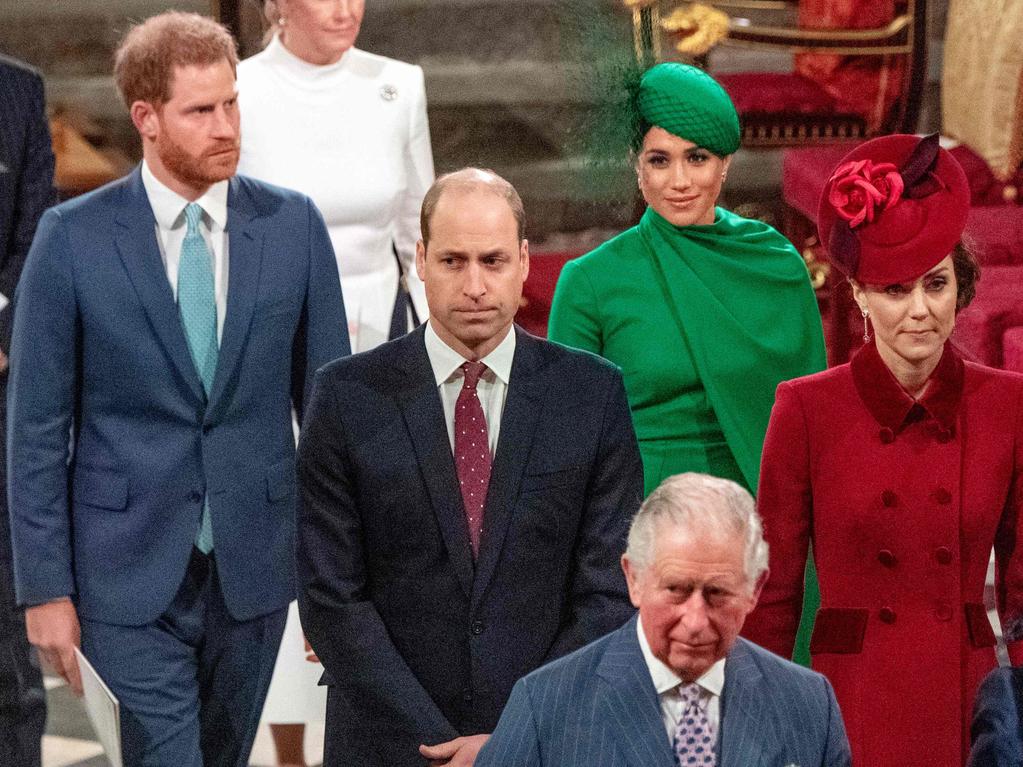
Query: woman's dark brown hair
{"points": [[967, 272]]}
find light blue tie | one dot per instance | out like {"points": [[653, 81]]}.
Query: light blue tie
{"points": [[198, 307]]}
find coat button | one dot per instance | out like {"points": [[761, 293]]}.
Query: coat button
{"points": [[477, 628], [467, 696], [943, 496], [886, 558], [944, 555], [887, 435], [943, 612], [886, 614], [195, 497], [944, 436], [889, 499]]}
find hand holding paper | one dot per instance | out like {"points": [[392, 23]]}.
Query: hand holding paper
{"points": [[54, 630]]}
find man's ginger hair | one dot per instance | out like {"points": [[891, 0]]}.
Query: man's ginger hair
{"points": [[145, 60]]}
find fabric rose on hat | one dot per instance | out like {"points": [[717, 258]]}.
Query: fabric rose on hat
{"points": [[861, 189]]}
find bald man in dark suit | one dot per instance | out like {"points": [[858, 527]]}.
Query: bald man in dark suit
{"points": [[26, 190]]}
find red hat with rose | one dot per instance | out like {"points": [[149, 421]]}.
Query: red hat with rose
{"points": [[893, 208]]}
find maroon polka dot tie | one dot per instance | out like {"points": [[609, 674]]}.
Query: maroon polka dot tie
{"points": [[472, 452]]}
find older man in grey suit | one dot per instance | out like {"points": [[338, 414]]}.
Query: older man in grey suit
{"points": [[676, 685]]}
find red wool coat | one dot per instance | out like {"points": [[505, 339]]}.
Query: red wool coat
{"points": [[903, 502]]}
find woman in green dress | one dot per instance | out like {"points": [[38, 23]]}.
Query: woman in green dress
{"points": [[705, 312]]}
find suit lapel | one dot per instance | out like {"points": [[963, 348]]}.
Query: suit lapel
{"points": [[522, 408], [744, 736], [245, 254], [630, 704], [137, 245], [424, 416]]}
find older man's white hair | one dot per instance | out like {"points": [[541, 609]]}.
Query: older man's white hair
{"points": [[699, 505]]}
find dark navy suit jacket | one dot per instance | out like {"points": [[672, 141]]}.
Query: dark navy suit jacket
{"points": [[996, 732], [26, 175], [420, 643], [99, 354], [598, 708]]}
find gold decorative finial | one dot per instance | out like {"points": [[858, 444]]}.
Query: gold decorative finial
{"points": [[696, 28]]}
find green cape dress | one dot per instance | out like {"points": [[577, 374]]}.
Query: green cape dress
{"points": [[704, 321]]}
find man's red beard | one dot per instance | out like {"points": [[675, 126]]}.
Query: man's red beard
{"points": [[212, 166]]}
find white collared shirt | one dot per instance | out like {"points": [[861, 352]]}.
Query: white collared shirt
{"points": [[492, 388], [169, 210], [667, 682]]}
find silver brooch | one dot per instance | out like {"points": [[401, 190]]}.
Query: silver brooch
{"points": [[388, 92]]}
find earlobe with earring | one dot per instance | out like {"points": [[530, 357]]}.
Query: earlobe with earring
{"points": [[866, 328]]}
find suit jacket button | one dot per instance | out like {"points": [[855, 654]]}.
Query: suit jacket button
{"points": [[887, 435], [889, 499], [943, 612], [467, 696], [195, 497], [477, 628], [886, 558], [943, 555], [886, 614], [944, 436], [943, 496]]}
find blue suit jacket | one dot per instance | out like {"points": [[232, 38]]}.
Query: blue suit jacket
{"points": [[422, 643], [996, 732], [598, 708], [99, 353]]}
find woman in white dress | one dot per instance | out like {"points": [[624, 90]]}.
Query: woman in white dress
{"points": [[349, 129]]}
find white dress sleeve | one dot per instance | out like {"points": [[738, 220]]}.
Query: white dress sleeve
{"points": [[419, 176]]}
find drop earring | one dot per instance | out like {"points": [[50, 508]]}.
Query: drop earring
{"points": [[866, 327]]}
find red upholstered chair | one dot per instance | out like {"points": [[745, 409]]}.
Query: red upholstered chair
{"points": [[1012, 349], [535, 308], [858, 66]]}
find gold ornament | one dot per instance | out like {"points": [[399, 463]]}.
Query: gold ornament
{"points": [[696, 28]]}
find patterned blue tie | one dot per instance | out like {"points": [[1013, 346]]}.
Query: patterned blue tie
{"points": [[693, 743], [198, 308]]}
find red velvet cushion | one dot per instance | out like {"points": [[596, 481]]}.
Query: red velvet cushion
{"points": [[995, 235], [544, 269], [804, 173], [776, 93], [1012, 349], [981, 327], [985, 189]]}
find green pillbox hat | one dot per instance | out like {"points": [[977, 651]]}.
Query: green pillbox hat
{"points": [[689, 103]]}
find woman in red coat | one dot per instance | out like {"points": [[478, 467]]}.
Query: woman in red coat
{"points": [[903, 467]]}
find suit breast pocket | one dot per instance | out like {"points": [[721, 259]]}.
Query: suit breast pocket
{"points": [[276, 310], [548, 479]]}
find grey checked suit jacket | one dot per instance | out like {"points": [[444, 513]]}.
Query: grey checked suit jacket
{"points": [[598, 708]]}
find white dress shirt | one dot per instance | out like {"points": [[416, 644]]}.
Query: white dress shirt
{"points": [[492, 388], [169, 210], [667, 682]]}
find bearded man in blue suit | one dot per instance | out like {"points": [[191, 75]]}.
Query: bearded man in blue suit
{"points": [[167, 324], [676, 686]]}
